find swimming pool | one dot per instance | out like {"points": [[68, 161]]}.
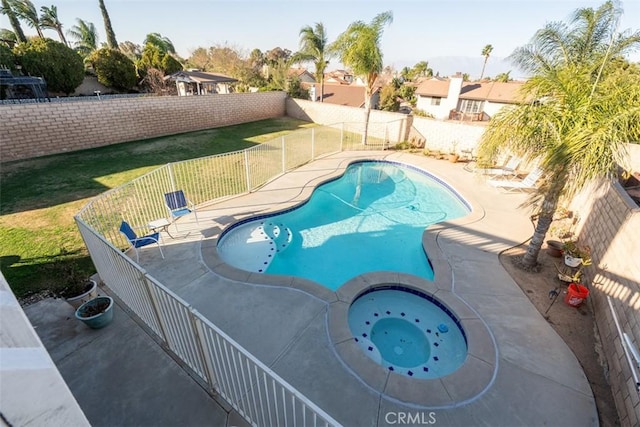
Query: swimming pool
{"points": [[408, 332], [370, 219]]}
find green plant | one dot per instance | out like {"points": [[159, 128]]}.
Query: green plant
{"points": [[572, 248], [113, 68], [59, 65], [71, 281]]}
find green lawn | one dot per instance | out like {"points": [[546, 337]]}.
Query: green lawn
{"points": [[39, 197]]}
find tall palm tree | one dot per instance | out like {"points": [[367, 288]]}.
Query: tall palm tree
{"points": [[162, 43], [49, 19], [359, 48], [583, 108], [13, 20], [486, 51], [314, 47], [26, 11], [85, 36], [111, 36]]}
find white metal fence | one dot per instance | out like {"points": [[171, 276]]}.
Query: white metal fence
{"points": [[254, 390]]}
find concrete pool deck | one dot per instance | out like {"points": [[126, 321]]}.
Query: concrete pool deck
{"points": [[534, 378]]}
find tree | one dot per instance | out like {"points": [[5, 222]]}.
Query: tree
{"points": [[503, 77], [7, 58], [582, 110], [111, 36], [200, 59], [162, 43], [49, 19], [389, 98], [26, 11], [59, 65], [295, 89], [86, 37], [113, 68], [132, 50], [153, 57], [314, 47], [13, 20], [486, 51], [359, 48], [8, 38], [277, 53], [421, 69]]}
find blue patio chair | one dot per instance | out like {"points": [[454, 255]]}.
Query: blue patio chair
{"points": [[138, 242], [178, 205]]}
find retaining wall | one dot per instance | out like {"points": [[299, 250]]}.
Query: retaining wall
{"points": [[32, 130], [609, 222]]}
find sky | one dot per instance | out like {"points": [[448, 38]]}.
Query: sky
{"points": [[449, 34]]}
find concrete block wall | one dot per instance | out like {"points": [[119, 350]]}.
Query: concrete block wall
{"points": [[325, 113], [609, 222], [441, 135], [32, 130]]}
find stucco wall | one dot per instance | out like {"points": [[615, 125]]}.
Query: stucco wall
{"points": [[31, 130], [609, 222]]}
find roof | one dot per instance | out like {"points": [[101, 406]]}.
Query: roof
{"points": [[335, 93], [501, 92], [200, 77], [297, 72], [433, 87]]}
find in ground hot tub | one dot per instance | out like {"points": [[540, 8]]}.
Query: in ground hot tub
{"points": [[408, 332]]}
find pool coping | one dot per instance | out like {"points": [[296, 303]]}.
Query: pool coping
{"points": [[462, 386]]}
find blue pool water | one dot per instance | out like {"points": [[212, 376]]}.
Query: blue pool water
{"points": [[408, 332], [370, 219]]}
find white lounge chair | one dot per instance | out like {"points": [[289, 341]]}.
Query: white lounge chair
{"points": [[513, 185], [508, 169]]}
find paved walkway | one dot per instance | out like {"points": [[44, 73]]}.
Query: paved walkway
{"points": [[119, 375], [537, 379]]}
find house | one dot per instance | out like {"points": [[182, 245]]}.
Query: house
{"points": [[342, 94], [195, 82], [458, 100], [302, 74]]}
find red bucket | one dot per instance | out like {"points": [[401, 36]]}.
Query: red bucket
{"points": [[576, 294]]}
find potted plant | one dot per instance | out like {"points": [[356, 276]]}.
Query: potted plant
{"points": [[74, 285], [453, 155], [97, 312], [576, 255], [554, 248]]}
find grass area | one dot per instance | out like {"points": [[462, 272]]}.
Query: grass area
{"points": [[39, 197]]}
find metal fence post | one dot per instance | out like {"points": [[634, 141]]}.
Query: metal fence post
{"points": [[342, 137], [246, 170], [283, 156], [313, 144], [204, 355], [171, 179], [154, 307]]}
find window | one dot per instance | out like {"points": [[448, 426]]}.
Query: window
{"points": [[435, 100], [470, 106]]}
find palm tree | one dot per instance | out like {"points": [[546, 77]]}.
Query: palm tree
{"points": [[583, 108], [314, 47], [486, 51], [8, 37], [26, 11], [49, 19], [86, 37], [13, 19], [359, 48], [162, 43], [111, 36]]}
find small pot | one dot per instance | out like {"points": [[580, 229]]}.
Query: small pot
{"points": [[571, 261], [453, 158], [96, 320], [77, 301], [554, 248]]}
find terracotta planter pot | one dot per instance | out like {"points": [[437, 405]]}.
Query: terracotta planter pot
{"points": [[554, 248]]}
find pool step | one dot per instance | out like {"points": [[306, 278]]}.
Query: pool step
{"points": [[279, 234]]}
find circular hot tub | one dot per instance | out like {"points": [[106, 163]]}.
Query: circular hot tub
{"points": [[408, 332]]}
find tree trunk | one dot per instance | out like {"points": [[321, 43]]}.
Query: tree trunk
{"points": [[545, 218], [61, 35], [367, 113], [322, 87], [15, 23], [111, 36], [483, 66]]}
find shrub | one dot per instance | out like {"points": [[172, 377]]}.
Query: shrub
{"points": [[113, 68], [7, 59], [59, 65]]}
